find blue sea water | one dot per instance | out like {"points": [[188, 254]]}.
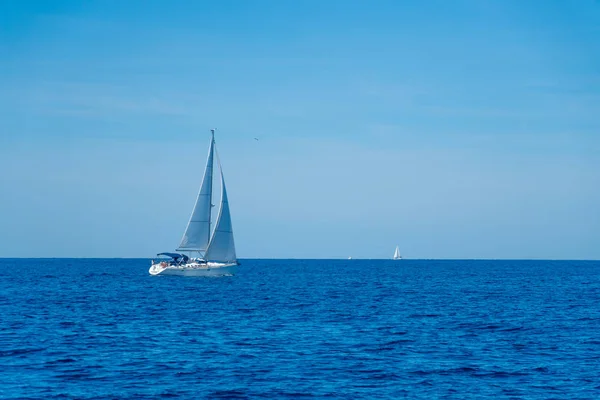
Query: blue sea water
{"points": [[104, 328]]}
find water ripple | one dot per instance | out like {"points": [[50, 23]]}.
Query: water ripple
{"points": [[287, 329]]}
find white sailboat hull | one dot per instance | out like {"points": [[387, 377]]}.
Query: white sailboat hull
{"points": [[209, 269]]}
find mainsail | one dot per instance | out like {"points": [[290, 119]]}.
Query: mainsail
{"points": [[221, 247], [397, 254], [197, 233]]}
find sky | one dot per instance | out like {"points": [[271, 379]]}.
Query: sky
{"points": [[453, 129]]}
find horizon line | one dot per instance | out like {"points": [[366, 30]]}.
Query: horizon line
{"points": [[316, 259]]}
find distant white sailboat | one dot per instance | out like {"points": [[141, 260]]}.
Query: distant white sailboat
{"points": [[397, 255], [215, 248]]}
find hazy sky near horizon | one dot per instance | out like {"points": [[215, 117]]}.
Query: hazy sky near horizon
{"points": [[454, 129]]}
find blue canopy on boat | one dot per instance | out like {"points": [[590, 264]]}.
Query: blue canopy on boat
{"points": [[175, 256]]}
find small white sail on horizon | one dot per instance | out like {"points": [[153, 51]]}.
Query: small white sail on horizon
{"points": [[397, 255]]}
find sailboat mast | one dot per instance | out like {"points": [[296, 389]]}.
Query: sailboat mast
{"points": [[210, 191]]}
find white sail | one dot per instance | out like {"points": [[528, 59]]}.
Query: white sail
{"points": [[221, 247], [197, 233], [397, 254]]}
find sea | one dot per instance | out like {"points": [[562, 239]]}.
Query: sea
{"points": [[339, 329]]}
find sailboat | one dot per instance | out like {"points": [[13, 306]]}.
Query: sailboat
{"points": [[213, 245], [397, 255]]}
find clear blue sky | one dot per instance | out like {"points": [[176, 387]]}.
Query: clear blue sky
{"points": [[454, 129]]}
